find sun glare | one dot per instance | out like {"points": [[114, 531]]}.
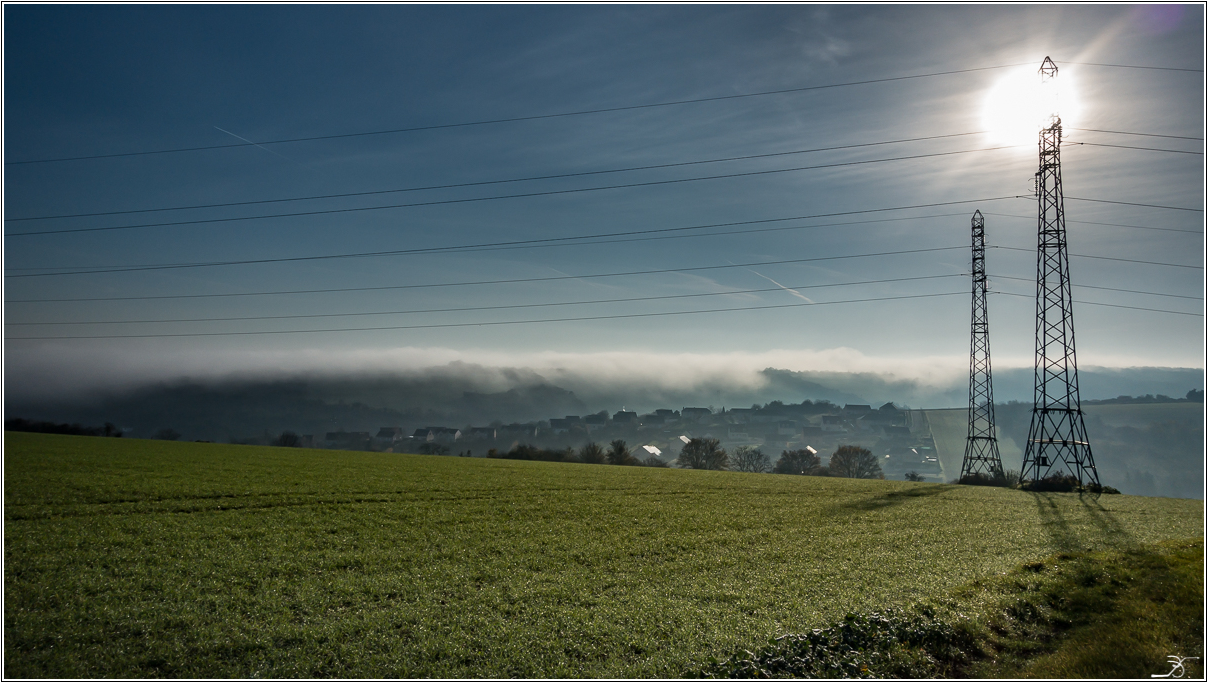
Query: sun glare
{"points": [[1018, 106]]}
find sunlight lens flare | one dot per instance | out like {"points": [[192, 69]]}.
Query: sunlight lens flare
{"points": [[1018, 106]]}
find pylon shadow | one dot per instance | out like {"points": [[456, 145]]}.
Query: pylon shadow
{"points": [[893, 498]]}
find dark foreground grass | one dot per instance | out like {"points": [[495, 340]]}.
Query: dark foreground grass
{"points": [[129, 558], [1076, 615]]}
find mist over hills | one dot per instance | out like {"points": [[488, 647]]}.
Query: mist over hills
{"points": [[458, 394]]}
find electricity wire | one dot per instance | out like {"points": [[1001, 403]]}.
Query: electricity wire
{"points": [[489, 323], [1134, 148], [1111, 258], [1114, 225], [509, 196], [1096, 303], [1148, 135], [1150, 206], [513, 119], [492, 308], [342, 195], [519, 280], [1111, 289], [1131, 66], [490, 246]]}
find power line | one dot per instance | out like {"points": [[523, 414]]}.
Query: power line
{"points": [[1095, 303], [1111, 289], [513, 119], [490, 308], [1114, 225], [343, 195], [600, 238], [485, 182], [1134, 148], [1110, 258], [490, 246], [509, 196], [527, 244], [1150, 206], [1131, 66], [500, 282], [1148, 135], [492, 323]]}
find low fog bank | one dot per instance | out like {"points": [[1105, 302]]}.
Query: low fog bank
{"points": [[274, 399]]}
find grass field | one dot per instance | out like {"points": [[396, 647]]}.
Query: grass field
{"points": [[128, 558]]}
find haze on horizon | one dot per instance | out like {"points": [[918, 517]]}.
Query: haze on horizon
{"points": [[869, 290]]}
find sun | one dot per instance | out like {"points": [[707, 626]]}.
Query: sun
{"points": [[1018, 106]]}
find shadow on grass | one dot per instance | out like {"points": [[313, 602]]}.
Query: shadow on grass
{"points": [[1113, 531], [1061, 533], [1055, 524], [892, 499]]}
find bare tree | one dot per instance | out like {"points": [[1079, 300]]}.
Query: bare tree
{"points": [[591, 453], [855, 463], [288, 440], [703, 454], [618, 453], [804, 461], [750, 459]]}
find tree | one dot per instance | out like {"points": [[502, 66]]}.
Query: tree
{"points": [[618, 453], [288, 440], [653, 461], [592, 454], [913, 476], [854, 462], [801, 461], [749, 459], [703, 454]]}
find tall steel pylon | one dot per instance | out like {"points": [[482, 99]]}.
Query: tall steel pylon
{"points": [[1057, 443], [981, 447]]}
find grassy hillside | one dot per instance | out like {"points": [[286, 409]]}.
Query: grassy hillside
{"points": [[147, 558]]}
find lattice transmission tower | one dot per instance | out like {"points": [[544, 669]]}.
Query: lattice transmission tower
{"points": [[981, 447], [1057, 443]]}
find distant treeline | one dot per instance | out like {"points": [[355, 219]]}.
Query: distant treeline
{"points": [[1193, 396], [75, 429]]}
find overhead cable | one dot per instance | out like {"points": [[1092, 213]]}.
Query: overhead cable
{"points": [[490, 308], [342, 195], [513, 119], [1096, 303], [545, 193], [488, 246], [511, 281], [1144, 149], [1148, 135], [1111, 289], [491, 323], [1110, 258], [1114, 225], [1149, 206]]}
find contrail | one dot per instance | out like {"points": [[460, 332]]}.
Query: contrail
{"points": [[794, 292], [240, 137]]}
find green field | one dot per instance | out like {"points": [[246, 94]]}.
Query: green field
{"points": [[129, 558]]}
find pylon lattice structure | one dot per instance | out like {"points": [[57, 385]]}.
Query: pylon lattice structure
{"points": [[1057, 442], [981, 447]]}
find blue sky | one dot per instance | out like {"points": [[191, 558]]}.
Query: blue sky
{"points": [[84, 80]]}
